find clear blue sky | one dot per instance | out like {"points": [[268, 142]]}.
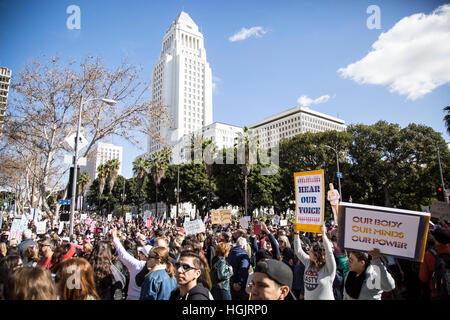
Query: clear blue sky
{"points": [[304, 45]]}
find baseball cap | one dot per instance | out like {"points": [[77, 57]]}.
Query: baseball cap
{"points": [[145, 250], [278, 271]]}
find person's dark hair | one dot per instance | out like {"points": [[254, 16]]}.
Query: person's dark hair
{"points": [[199, 264], [362, 256], [319, 254], [101, 261], [129, 245], [7, 266], [59, 252], [13, 251], [30, 284]]}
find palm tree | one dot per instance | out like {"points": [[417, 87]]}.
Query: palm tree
{"points": [[447, 118], [113, 171], [83, 182], [140, 169], [102, 171], [158, 167], [244, 138]]}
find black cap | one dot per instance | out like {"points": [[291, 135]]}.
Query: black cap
{"points": [[278, 271], [441, 235], [263, 254]]}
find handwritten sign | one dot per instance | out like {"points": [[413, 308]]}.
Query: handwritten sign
{"points": [[309, 200], [395, 232], [17, 228], [109, 217], [194, 227], [220, 216], [128, 217], [283, 223], [41, 227]]}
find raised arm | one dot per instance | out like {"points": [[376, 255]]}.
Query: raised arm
{"points": [[329, 257], [273, 242], [298, 250], [127, 259]]}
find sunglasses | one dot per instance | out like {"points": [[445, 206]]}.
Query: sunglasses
{"points": [[185, 266]]}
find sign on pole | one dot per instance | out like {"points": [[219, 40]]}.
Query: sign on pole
{"points": [[309, 200], [194, 227], [395, 232]]}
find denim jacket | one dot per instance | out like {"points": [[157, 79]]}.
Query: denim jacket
{"points": [[157, 285]]}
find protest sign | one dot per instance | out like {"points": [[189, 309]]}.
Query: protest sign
{"points": [[41, 227], [128, 217], [257, 229], [309, 200], [276, 220], [283, 223], [194, 227], [395, 232], [148, 223], [187, 219], [61, 226], [16, 230], [221, 216], [440, 209], [243, 222], [110, 217]]}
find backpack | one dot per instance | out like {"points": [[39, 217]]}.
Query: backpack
{"points": [[441, 275]]}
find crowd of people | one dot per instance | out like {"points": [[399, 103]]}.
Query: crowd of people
{"points": [[132, 260]]}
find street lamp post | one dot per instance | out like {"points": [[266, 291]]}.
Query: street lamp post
{"points": [[75, 164], [337, 164]]}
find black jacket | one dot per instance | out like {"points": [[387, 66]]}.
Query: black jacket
{"points": [[199, 292]]}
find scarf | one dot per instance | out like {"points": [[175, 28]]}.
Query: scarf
{"points": [[354, 283]]}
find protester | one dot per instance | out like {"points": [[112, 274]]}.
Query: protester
{"points": [[221, 273], [26, 242], [133, 265], [367, 277], [109, 281], [437, 262], [272, 280], [32, 256], [191, 281], [238, 258], [30, 284], [160, 281], [75, 280], [46, 248], [320, 267]]}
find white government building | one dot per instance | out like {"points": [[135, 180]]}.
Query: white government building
{"points": [[292, 122], [101, 153], [182, 80], [5, 79]]}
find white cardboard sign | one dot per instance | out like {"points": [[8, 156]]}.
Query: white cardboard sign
{"points": [[194, 227]]}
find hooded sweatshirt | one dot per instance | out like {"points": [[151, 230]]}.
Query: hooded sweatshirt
{"points": [[199, 292]]}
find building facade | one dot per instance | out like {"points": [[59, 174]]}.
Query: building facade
{"points": [[223, 135], [182, 81], [292, 122], [100, 154], [5, 79]]}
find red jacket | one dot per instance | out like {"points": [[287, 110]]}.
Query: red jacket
{"points": [[427, 266]]}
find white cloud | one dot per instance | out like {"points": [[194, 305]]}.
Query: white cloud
{"points": [[215, 82], [412, 58], [305, 101], [246, 33]]}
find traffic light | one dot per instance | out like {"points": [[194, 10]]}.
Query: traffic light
{"points": [[440, 194]]}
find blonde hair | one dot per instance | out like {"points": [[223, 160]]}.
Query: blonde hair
{"points": [[3, 249], [285, 240]]}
